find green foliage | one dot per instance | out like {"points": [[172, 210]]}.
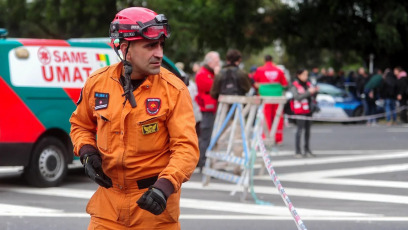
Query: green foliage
{"points": [[203, 25], [326, 33], [58, 18], [346, 29]]}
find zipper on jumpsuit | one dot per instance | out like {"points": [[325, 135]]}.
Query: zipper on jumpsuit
{"points": [[119, 164], [127, 109]]}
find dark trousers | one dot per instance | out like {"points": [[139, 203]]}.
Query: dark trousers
{"points": [[371, 108], [403, 113], [206, 127], [302, 125]]}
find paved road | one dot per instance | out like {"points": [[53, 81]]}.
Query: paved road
{"points": [[357, 181]]}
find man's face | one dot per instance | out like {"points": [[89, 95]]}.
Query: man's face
{"points": [[361, 71], [215, 62], [145, 56], [396, 72]]}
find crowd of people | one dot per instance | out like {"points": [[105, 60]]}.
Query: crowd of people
{"points": [[212, 79], [389, 85]]}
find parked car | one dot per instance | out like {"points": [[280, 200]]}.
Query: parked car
{"points": [[336, 103]]}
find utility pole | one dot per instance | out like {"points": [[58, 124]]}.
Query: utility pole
{"points": [[371, 65]]}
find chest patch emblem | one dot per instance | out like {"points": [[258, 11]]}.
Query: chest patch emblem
{"points": [[150, 128], [101, 100], [153, 105]]}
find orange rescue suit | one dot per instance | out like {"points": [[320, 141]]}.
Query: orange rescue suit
{"points": [[157, 138]]}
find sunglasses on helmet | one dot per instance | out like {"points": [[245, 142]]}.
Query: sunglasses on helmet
{"points": [[152, 29]]}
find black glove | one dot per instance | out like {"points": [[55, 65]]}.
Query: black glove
{"points": [[93, 169], [153, 201]]}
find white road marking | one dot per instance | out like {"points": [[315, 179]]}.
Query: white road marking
{"points": [[18, 210], [352, 182], [259, 212], [315, 193], [343, 172], [259, 209], [49, 214], [184, 203], [308, 218], [57, 192], [339, 152], [339, 159], [8, 209], [321, 176], [229, 217]]}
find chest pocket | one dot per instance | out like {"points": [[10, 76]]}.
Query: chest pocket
{"points": [[103, 130], [152, 134]]}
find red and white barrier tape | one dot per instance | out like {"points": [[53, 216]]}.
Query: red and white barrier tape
{"points": [[349, 119], [299, 223]]}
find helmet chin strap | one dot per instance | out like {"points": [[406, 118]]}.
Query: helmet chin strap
{"points": [[127, 85]]}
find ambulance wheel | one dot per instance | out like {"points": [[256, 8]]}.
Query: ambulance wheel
{"points": [[48, 163]]}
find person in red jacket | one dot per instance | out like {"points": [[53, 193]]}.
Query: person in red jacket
{"points": [[208, 105], [270, 73]]}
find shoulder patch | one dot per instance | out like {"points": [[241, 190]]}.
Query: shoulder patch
{"points": [[172, 79]]}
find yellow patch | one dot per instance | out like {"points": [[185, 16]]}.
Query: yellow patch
{"points": [[150, 128]]}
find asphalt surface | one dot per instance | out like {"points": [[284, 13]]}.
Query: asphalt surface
{"points": [[358, 180]]}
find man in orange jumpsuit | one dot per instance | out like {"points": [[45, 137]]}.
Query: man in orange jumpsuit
{"points": [[134, 130], [269, 73]]}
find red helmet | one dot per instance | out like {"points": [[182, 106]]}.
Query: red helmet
{"points": [[137, 23]]}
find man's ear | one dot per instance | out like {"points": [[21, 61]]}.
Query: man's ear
{"points": [[123, 46]]}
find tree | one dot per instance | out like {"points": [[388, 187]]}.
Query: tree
{"points": [[198, 25], [203, 25], [58, 18], [362, 27]]}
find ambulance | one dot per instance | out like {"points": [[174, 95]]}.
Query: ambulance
{"points": [[40, 83]]}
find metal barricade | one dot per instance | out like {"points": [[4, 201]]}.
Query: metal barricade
{"points": [[230, 152]]}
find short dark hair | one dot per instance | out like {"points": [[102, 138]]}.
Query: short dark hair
{"points": [[300, 71], [233, 55], [268, 57]]}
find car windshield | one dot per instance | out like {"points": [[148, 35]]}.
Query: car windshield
{"points": [[331, 90]]}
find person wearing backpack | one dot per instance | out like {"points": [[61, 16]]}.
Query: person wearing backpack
{"points": [[231, 80]]}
